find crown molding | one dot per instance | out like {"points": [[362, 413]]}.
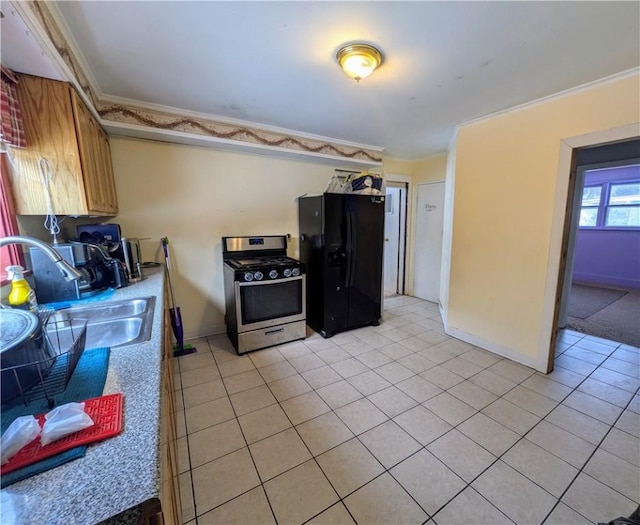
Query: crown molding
{"points": [[166, 123]]}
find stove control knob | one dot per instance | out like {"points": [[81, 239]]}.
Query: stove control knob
{"points": [[295, 272], [287, 272], [273, 274], [258, 276], [248, 276]]}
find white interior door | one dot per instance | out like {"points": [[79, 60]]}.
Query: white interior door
{"points": [[428, 241], [391, 240]]}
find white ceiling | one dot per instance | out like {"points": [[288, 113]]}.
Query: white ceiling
{"points": [[273, 63]]}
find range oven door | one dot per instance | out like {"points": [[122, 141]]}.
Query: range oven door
{"points": [[261, 304]]}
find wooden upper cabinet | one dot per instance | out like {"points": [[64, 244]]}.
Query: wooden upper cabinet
{"points": [[60, 128]]}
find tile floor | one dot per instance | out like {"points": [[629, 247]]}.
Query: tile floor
{"points": [[402, 424]]}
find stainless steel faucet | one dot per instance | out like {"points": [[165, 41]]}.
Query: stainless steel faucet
{"points": [[69, 272]]}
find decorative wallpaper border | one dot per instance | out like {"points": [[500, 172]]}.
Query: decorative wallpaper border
{"points": [[165, 121]]}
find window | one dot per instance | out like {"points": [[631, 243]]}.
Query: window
{"points": [[613, 205]]}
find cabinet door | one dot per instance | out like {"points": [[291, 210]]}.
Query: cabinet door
{"points": [[91, 157], [51, 135]]}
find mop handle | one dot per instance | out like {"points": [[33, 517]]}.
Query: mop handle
{"points": [[165, 248]]}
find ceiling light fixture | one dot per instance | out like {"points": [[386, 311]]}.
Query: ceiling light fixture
{"points": [[358, 60]]}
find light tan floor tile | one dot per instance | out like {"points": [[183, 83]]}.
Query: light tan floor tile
{"points": [[563, 515], [472, 394], [195, 361], [595, 501], [333, 355], [545, 386], [265, 357], [623, 445], [289, 387], [349, 466], [277, 371], [369, 382], [376, 340], [374, 358], [392, 401], [336, 515], [593, 407], [616, 473], [304, 407], [396, 350], [481, 357], [462, 367], [389, 443], [349, 367], [529, 400], [278, 453], [422, 424], [181, 424], [511, 416], [616, 379], [462, 455], [394, 372], [449, 408], [250, 508], [470, 507], [242, 381], [221, 480], [236, 366], [361, 415], [419, 388], [338, 394], [516, 496], [510, 370], [493, 383], [208, 414], [611, 394], [490, 434], [319, 377], [441, 377], [263, 423], [428, 480], [578, 423], [550, 472], [294, 349], [561, 443], [214, 442], [416, 363], [183, 455], [186, 497], [383, 501], [199, 376], [196, 395], [252, 399], [300, 493], [565, 377], [323, 433], [306, 362], [629, 422]]}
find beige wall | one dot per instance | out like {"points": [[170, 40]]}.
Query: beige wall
{"points": [[196, 195], [505, 188], [431, 169]]}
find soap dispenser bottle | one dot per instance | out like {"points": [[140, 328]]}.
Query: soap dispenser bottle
{"points": [[21, 294]]}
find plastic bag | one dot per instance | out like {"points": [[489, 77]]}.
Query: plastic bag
{"points": [[20, 433], [64, 420]]}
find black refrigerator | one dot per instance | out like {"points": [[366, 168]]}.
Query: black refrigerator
{"points": [[341, 245]]}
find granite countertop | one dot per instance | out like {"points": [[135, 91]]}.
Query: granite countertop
{"points": [[121, 473]]}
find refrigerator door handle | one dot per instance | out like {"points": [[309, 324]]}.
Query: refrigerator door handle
{"points": [[347, 281], [354, 249]]}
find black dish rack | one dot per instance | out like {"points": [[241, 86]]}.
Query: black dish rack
{"points": [[46, 375]]}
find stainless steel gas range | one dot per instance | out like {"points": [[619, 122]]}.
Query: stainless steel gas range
{"points": [[265, 292]]}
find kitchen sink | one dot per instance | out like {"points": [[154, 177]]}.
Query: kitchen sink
{"points": [[112, 324]]}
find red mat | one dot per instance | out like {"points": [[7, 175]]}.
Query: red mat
{"points": [[106, 412]]}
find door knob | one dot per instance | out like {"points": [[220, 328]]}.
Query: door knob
{"points": [[386, 239]]}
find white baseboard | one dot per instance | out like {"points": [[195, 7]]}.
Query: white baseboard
{"points": [[205, 331], [494, 348]]}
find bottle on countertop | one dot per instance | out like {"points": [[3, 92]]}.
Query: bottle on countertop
{"points": [[21, 294]]}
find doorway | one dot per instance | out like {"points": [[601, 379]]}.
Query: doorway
{"points": [[428, 241], [395, 221], [583, 156]]}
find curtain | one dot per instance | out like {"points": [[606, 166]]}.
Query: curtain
{"points": [[12, 129], [11, 134]]}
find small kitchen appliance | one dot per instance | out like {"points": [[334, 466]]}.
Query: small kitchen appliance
{"points": [[99, 269], [264, 292]]}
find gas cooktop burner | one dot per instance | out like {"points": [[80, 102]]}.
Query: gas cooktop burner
{"points": [[259, 262]]}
